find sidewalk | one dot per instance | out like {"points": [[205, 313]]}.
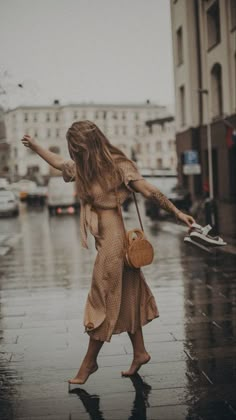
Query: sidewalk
{"points": [[44, 282]]}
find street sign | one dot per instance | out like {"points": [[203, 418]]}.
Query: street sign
{"points": [[191, 163], [192, 169], [191, 157]]}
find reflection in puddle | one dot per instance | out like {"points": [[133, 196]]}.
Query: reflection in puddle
{"points": [[142, 391], [91, 402]]}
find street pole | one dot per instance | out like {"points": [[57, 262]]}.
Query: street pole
{"points": [[209, 149], [211, 209]]}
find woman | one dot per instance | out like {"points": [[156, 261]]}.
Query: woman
{"points": [[119, 298]]}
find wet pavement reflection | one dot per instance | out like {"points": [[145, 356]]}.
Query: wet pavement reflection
{"points": [[92, 402], [44, 279]]}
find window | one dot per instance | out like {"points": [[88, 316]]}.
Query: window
{"points": [[31, 170], [104, 115], [25, 117], [84, 116], [75, 115], [159, 163], [47, 116], [213, 25], [54, 149], [57, 132], [116, 129], [150, 129], [124, 129], [138, 148], [49, 132], [35, 133], [35, 117], [180, 46], [137, 129], [15, 152], [136, 116], [172, 161], [216, 90], [158, 146], [115, 115], [123, 115], [233, 13], [96, 115], [57, 116]]}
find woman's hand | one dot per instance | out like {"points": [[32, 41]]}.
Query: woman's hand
{"points": [[52, 158], [28, 141], [189, 220]]}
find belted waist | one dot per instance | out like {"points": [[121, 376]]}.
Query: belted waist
{"points": [[89, 219]]}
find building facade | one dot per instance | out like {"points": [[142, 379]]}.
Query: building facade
{"points": [[204, 47], [157, 148], [123, 124]]}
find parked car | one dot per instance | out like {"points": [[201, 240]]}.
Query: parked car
{"points": [[23, 188], [9, 203], [61, 197], [37, 196], [179, 196], [4, 183]]}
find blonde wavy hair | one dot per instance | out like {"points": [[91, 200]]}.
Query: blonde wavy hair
{"points": [[95, 157]]}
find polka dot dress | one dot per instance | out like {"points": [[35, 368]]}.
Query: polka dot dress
{"points": [[119, 299]]}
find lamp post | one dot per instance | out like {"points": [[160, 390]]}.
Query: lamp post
{"points": [[210, 206], [209, 144]]}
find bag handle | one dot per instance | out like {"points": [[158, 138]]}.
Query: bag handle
{"points": [[138, 233], [139, 217], [136, 205]]}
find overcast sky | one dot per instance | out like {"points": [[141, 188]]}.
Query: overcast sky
{"points": [[86, 50]]}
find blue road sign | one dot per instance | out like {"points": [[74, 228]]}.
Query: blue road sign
{"points": [[191, 157]]}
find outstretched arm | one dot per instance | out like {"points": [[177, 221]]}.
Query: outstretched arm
{"points": [[151, 192], [53, 159]]}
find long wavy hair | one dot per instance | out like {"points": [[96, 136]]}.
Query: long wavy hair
{"points": [[95, 157]]}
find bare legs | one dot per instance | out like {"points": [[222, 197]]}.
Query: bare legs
{"points": [[141, 355], [89, 364]]}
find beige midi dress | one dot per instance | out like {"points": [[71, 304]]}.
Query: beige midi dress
{"points": [[119, 298]]}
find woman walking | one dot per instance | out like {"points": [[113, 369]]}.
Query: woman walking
{"points": [[119, 299]]}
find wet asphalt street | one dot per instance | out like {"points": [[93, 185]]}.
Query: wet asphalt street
{"points": [[44, 280]]}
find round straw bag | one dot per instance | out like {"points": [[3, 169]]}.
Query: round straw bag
{"points": [[139, 250]]}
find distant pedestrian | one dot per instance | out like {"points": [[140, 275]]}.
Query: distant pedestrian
{"points": [[119, 299]]}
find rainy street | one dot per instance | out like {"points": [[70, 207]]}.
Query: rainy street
{"points": [[44, 280]]}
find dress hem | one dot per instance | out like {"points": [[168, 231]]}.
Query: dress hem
{"points": [[115, 332]]}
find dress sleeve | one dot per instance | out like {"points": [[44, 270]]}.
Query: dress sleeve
{"points": [[130, 172], [68, 170]]}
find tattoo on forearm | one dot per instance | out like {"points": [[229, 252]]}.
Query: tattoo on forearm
{"points": [[163, 201]]}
